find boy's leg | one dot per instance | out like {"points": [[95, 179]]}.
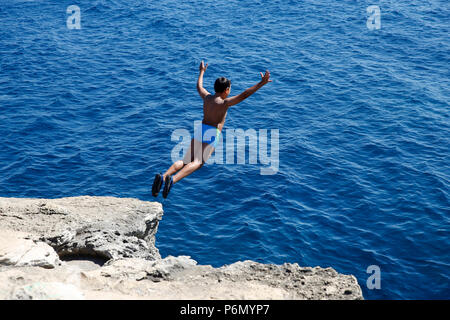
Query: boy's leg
{"points": [[187, 170], [200, 156], [175, 167], [188, 158]]}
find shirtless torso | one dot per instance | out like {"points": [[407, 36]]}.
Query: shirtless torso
{"points": [[214, 111]]}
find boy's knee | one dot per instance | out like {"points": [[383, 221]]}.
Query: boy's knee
{"points": [[179, 164], [197, 163]]}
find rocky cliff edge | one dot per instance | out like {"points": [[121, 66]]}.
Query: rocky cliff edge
{"points": [[104, 248]]}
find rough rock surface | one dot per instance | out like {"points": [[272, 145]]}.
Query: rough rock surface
{"points": [[47, 291], [87, 231], [16, 250], [107, 227]]}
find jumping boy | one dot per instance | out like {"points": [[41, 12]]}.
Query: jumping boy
{"points": [[215, 108]]}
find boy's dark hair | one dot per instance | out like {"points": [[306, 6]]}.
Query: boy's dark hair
{"points": [[221, 84]]}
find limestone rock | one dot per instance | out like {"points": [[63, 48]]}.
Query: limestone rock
{"points": [[107, 248], [107, 227], [15, 250], [47, 291]]}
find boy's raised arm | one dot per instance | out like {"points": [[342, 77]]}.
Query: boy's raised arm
{"points": [[202, 91], [247, 93]]}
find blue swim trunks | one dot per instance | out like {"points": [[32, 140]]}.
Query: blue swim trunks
{"points": [[207, 133]]}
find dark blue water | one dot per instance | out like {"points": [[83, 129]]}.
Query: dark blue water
{"points": [[363, 117]]}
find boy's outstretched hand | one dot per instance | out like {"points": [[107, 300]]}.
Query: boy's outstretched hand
{"points": [[265, 78], [203, 67]]}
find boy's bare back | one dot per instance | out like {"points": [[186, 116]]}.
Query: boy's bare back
{"points": [[215, 106], [214, 111]]}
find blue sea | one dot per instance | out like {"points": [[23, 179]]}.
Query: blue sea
{"points": [[363, 118]]}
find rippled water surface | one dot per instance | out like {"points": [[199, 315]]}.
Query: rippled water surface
{"points": [[363, 118]]}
